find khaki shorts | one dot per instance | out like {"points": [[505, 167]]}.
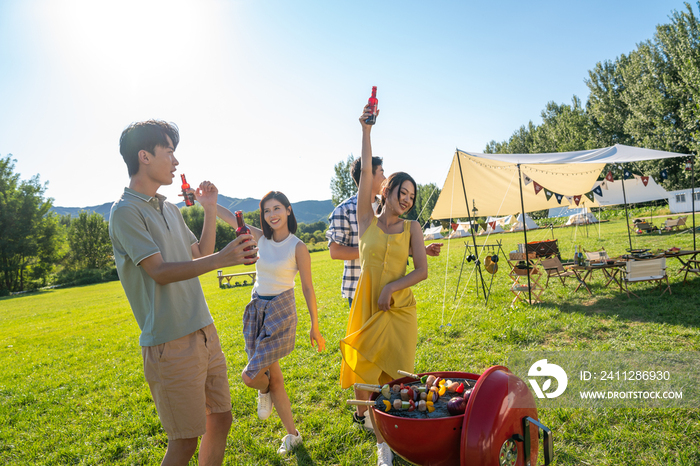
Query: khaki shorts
{"points": [[188, 381]]}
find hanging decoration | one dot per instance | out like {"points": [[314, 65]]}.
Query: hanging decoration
{"points": [[597, 191], [664, 174]]}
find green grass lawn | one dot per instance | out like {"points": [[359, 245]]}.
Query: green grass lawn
{"points": [[72, 389]]}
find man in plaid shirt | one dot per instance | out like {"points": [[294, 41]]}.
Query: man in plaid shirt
{"points": [[342, 234]]}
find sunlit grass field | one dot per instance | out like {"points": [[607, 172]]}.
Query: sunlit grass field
{"points": [[72, 389]]}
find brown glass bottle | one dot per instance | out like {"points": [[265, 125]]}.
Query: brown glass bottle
{"points": [[373, 103], [243, 230], [188, 197]]}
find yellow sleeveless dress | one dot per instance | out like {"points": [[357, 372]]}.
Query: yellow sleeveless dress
{"points": [[379, 343]]}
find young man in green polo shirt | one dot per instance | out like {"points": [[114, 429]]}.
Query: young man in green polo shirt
{"points": [[159, 259]]}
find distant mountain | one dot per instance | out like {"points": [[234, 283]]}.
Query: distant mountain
{"points": [[305, 211]]}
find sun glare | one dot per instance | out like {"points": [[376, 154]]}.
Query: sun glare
{"points": [[127, 42]]}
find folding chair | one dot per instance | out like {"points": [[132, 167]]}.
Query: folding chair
{"points": [[596, 256], [671, 223], [650, 270], [554, 268]]}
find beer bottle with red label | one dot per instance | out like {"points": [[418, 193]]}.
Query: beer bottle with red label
{"points": [[373, 103], [243, 230], [188, 196]]}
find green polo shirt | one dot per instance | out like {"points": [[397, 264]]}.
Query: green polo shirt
{"points": [[139, 227]]}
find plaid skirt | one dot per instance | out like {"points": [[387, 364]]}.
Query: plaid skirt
{"points": [[269, 328]]}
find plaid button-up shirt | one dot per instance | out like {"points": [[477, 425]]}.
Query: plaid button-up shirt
{"points": [[343, 230]]}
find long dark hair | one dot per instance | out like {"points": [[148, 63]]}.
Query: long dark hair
{"points": [[291, 219], [396, 180]]}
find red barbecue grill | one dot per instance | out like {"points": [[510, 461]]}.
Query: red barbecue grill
{"points": [[492, 431]]}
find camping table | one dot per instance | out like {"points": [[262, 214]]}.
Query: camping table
{"points": [[688, 263], [611, 271]]}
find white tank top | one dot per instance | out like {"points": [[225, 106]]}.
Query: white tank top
{"points": [[277, 266]]}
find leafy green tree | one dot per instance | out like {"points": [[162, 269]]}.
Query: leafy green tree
{"points": [[312, 227], [425, 202], [252, 218], [342, 185], [29, 237], [90, 246]]}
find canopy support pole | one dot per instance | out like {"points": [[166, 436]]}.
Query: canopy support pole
{"points": [[473, 231], [692, 196], [527, 260], [624, 198]]}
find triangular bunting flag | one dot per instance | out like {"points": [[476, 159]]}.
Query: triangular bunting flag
{"points": [[609, 177], [493, 225], [559, 197], [597, 191], [604, 185], [645, 180], [538, 188], [627, 174], [577, 198], [664, 174], [589, 195], [527, 179], [548, 193], [570, 199]]}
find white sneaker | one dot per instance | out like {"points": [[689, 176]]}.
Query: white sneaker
{"points": [[385, 457], [289, 442], [264, 405]]}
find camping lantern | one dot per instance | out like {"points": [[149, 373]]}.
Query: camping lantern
{"points": [[689, 164], [497, 427]]}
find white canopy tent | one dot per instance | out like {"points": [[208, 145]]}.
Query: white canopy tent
{"points": [[530, 223], [584, 217], [490, 181], [491, 230], [433, 233], [635, 191], [480, 184]]}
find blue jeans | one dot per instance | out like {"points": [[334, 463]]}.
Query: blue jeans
{"points": [[350, 302]]}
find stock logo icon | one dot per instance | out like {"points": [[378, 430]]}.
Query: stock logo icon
{"points": [[542, 368]]}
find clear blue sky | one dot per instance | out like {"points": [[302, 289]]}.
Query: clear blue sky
{"points": [[267, 93]]}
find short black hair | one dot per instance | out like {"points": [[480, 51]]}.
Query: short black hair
{"points": [[357, 168], [145, 135], [291, 219]]}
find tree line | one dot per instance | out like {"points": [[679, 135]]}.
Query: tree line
{"points": [[39, 247], [649, 98]]}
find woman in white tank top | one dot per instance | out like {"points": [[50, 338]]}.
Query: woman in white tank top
{"points": [[269, 321]]}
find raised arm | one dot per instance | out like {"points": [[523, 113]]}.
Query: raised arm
{"points": [[419, 273], [303, 259], [364, 193], [206, 195]]}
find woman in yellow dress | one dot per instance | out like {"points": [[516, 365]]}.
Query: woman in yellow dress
{"points": [[383, 329]]}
